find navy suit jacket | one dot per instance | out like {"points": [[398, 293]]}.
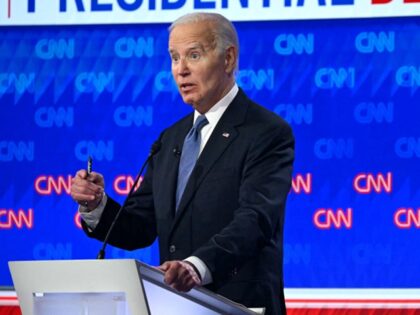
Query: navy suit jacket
{"points": [[232, 212]]}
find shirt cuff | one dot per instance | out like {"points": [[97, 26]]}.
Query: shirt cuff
{"points": [[92, 217], [205, 273]]}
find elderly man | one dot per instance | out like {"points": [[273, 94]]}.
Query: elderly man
{"points": [[217, 206]]}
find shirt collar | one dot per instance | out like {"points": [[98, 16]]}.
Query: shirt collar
{"points": [[215, 113]]}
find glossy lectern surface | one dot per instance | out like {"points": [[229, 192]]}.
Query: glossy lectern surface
{"points": [[108, 287]]}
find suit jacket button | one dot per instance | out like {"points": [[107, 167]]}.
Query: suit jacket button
{"points": [[172, 249], [233, 272]]}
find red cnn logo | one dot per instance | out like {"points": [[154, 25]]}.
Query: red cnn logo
{"points": [[123, 184], [326, 219], [302, 184], [366, 183], [46, 185], [10, 218], [405, 218]]}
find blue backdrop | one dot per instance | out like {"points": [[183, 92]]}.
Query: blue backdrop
{"points": [[349, 88]]}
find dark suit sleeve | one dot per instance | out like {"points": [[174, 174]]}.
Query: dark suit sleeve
{"points": [[258, 221], [136, 227]]}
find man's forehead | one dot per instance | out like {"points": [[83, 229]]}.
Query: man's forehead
{"points": [[186, 46], [191, 34]]}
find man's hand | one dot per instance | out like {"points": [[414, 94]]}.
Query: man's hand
{"points": [[180, 275], [87, 190]]}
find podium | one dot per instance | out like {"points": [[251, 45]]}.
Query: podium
{"points": [[108, 287]]}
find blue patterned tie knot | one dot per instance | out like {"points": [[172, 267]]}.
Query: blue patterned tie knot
{"points": [[200, 122], [189, 155]]}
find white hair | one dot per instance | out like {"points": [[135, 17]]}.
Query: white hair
{"points": [[224, 32]]}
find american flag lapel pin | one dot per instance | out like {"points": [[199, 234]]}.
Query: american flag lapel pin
{"points": [[226, 134]]}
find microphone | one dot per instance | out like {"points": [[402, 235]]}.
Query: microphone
{"points": [[177, 152], [153, 150]]}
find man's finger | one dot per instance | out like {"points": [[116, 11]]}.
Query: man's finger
{"points": [[180, 275], [95, 178], [171, 274], [185, 285], [163, 267], [78, 197], [86, 189], [167, 268], [81, 174]]}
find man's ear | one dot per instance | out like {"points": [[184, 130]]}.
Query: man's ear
{"points": [[231, 57]]}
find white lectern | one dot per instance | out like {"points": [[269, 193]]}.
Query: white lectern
{"points": [[108, 287]]}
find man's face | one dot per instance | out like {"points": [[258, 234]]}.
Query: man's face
{"points": [[199, 69]]}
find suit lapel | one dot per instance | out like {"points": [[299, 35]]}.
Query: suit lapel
{"points": [[223, 135]]}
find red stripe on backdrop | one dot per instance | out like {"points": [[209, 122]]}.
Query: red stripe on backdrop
{"points": [[14, 310], [350, 301], [351, 311], [10, 310]]}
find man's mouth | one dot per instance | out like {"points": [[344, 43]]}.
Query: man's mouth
{"points": [[185, 87]]}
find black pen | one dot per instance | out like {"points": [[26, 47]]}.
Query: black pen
{"points": [[89, 166], [89, 171]]}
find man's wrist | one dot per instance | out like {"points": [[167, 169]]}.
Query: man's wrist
{"points": [[203, 270], [194, 268], [92, 217]]}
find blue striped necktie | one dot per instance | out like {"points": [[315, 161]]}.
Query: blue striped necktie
{"points": [[189, 155]]}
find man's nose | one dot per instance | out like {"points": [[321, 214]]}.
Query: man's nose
{"points": [[183, 68]]}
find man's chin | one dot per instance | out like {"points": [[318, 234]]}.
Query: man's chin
{"points": [[188, 100]]}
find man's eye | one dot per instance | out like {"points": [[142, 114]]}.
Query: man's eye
{"points": [[195, 56], [175, 58]]}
